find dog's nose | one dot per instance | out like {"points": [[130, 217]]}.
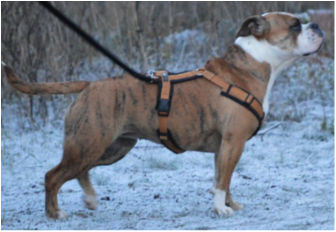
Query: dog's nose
{"points": [[314, 26], [316, 29]]}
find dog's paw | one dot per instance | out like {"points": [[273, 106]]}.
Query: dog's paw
{"points": [[223, 211], [90, 202], [220, 208]]}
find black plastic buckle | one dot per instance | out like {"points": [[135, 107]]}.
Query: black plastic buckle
{"points": [[164, 107]]}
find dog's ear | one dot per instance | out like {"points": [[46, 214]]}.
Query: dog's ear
{"points": [[255, 25]]}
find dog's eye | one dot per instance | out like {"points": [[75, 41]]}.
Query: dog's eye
{"points": [[296, 26]]}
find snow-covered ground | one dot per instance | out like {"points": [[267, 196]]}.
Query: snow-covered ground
{"points": [[285, 179]]}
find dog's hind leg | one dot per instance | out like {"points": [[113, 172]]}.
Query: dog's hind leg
{"points": [[89, 198], [113, 153], [78, 158]]}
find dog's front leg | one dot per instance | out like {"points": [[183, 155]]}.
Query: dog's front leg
{"points": [[213, 188], [226, 161]]}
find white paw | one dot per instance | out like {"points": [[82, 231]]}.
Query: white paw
{"points": [[90, 202], [220, 208], [223, 211]]}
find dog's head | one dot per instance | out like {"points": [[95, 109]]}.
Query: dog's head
{"points": [[284, 31]]}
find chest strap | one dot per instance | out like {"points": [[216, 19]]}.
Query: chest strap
{"points": [[166, 83]]}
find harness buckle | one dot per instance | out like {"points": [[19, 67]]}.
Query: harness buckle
{"points": [[164, 107]]}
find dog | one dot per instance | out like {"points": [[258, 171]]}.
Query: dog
{"points": [[108, 117]]}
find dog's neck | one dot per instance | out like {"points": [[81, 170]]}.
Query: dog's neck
{"points": [[238, 67], [263, 52], [252, 65]]}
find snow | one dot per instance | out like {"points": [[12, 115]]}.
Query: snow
{"points": [[285, 178]]}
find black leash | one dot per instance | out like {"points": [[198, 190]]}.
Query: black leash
{"points": [[93, 42]]}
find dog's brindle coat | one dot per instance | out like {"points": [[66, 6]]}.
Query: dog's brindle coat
{"points": [[108, 116]]}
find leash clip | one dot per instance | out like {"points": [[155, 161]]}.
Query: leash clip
{"points": [[151, 74], [199, 72]]}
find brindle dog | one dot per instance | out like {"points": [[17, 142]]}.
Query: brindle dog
{"points": [[109, 116]]}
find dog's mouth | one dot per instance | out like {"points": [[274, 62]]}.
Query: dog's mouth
{"points": [[307, 54], [312, 37]]}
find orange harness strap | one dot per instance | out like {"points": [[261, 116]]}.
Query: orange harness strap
{"points": [[166, 81], [163, 110]]}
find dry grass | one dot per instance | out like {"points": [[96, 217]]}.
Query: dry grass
{"points": [[42, 49]]}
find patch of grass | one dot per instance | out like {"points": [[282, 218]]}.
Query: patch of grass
{"points": [[328, 126], [4, 133], [159, 163], [102, 180], [3, 218], [203, 228], [81, 214], [30, 227], [305, 87], [318, 136]]}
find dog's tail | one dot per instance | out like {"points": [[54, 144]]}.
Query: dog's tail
{"points": [[43, 88]]}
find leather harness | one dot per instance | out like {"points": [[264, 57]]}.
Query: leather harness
{"points": [[166, 81]]}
